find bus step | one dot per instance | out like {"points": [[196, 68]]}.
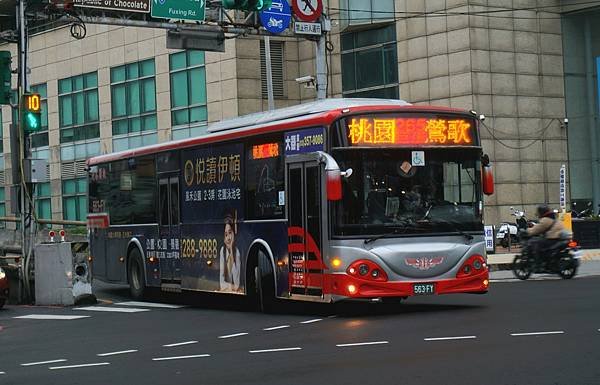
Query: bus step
{"points": [[171, 287]]}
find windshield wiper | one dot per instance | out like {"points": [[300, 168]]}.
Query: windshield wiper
{"points": [[469, 237], [397, 230]]}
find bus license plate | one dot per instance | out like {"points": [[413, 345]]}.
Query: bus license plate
{"points": [[423, 288]]}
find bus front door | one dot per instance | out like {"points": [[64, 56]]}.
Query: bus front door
{"points": [[170, 261], [305, 203]]}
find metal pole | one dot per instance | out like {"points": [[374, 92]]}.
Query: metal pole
{"points": [[269, 71], [591, 115], [321, 67]]}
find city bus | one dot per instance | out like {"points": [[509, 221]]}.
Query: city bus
{"points": [[338, 199]]}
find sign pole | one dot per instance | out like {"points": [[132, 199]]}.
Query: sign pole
{"points": [[321, 67], [269, 70]]}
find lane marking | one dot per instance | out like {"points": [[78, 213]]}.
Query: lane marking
{"points": [[234, 335], [180, 344], [2, 372], [332, 316], [43, 362], [277, 327], [311, 321], [180, 357], [112, 309], [52, 317], [536, 333], [450, 338], [274, 350], [362, 344], [78, 366], [150, 304], [115, 353]]}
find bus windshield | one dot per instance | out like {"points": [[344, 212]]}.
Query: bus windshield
{"points": [[403, 191]]}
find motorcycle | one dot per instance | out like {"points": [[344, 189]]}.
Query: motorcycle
{"points": [[508, 232], [561, 258]]}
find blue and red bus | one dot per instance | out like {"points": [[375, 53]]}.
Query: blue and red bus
{"points": [[326, 201]]}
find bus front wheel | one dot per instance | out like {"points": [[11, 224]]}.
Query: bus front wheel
{"points": [[135, 275]]}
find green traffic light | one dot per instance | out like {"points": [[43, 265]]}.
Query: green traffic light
{"points": [[32, 121]]}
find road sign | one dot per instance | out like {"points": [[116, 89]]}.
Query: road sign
{"points": [[116, 5], [276, 18], [303, 28], [179, 9], [563, 187], [308, 10]]}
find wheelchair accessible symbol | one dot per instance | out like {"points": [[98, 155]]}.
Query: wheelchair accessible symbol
{"points": [[418, 158]]}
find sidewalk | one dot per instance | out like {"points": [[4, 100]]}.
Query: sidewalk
{"points": [[502, 260]]}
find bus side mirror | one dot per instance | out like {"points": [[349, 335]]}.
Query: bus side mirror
{"points": [[334, 185], [487, 177]]}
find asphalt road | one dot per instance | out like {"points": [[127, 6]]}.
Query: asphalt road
{"points": [[534, 332]]}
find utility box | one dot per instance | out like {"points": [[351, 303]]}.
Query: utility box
{"points": [[62, 273], [35, 170]]}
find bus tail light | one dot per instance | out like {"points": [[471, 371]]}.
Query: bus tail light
{"points": [[474, 265], [334, 185], [368, 270]]}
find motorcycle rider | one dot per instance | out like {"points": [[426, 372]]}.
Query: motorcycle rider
{"points": [[545, 233]]}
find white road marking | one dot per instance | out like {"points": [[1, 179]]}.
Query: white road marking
{"points": [[362, 344], [536, 333], [150, 304], [52, 317], [277, 327], [332, 316], [2, 373], [274, 350], [311, 321], [180, 344], [78, 366], [112, 309], [43, 362], [234, 335], [115, 353], [180, 357], [450, 338]]}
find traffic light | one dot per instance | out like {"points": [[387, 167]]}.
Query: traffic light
{"points": [[5, 76], [32, 112], [247, 5]]}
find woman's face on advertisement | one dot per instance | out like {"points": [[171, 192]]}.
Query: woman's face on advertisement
{"points": [[228, 235]]}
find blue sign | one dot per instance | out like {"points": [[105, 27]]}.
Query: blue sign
{"points": [[304, 141], [277, 17]]}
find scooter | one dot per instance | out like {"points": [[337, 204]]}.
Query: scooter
{"points": [[562, 258], [508, 232]]}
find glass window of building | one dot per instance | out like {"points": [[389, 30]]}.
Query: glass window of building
{"points": [[78, 108], [370, 63], [360, 12], [2, 180], [188, 94], [40, 138], [2, 206], [133, 100], [43, 191], [74, 199]]}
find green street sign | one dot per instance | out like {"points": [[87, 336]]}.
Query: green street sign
{"points": [[179, 9]]}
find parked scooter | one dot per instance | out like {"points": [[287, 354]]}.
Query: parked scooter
{"points": [[562, 258], [587, 212], [508, 233]]}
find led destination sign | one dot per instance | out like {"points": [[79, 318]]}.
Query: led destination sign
{"points": [[410, 131]]}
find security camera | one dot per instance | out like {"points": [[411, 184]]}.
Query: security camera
{"points": [[305, 79], [482, 117], [566, 120]]}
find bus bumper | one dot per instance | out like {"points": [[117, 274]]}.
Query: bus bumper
{"points": [[343, 286]]}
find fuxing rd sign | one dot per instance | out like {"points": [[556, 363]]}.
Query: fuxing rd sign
{"points": [[116, 5], [179, 9]]}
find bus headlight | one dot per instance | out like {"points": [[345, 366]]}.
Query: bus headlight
{"points": [[2, 274], [368, 270]]}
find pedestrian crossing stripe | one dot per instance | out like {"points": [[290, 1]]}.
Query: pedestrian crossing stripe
{"points": [[51, 317], [149, 304], [112, 309]]}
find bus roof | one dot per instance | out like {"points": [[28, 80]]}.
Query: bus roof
{"points": [[313, 113]]}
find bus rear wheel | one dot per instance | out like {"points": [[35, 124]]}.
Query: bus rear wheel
{"points": [[135, 275]]}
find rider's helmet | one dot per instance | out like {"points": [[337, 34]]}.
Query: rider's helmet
{"points": [[543, 210]]}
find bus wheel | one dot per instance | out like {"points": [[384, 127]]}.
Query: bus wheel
{"points": [[264, 283], [135, 275]]}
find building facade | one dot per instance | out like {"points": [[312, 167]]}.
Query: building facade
{"points": [[525, 64]]}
